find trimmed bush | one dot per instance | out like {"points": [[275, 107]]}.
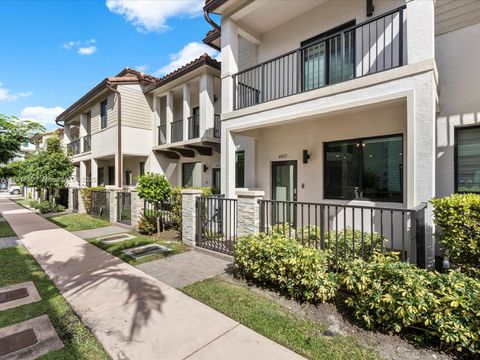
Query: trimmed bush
{"points": [[283, 263], [345, 245], [86, 194], [458, 217], [147, 224], [392, 295]]}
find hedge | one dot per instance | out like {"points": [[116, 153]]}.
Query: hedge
{"points": [[86, 194], [458, 218]]}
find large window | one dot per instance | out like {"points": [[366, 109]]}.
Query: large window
{"points": [[103, 113], [111, 175], [101, 176], [467, 159], [240, 169], [369, 169], [192, 174]]}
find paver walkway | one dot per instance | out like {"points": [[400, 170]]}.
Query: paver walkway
{"points": [[99, 232], [133, 315], [185, 268]]}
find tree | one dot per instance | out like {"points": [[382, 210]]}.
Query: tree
{"points": [[11, 169], [154, 189], [13, 133], [48, 169]]}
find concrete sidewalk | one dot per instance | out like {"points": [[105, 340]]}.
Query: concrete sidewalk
{"points": [[133, 315]]}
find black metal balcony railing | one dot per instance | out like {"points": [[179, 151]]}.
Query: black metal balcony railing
{"points": [[74, 147], [194, 126], [162, 134], [176, 131], [87, 143], [217, 126], [370, 47]]}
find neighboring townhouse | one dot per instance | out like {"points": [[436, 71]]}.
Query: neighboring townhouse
{"points": [[39, 141], [25, 149], [108, 131], [339, 102], [186, 117]]}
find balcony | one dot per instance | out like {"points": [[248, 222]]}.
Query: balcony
{"points": [[74, 147], [162, 134], [176, 131], [87, 143], [194, 127], [367, 48]]}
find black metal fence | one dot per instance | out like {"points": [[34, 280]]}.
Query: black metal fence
{"points": [[162, 209], [87, 143], [74, 147], [217, 223], [348, 231], [124, 207], [162, 135], [194, 126], [176, 130], [373, 46], [100, 204]]}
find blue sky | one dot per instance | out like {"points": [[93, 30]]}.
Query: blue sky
{"points": [[55, 51]]}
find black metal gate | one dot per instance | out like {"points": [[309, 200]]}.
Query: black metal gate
{"points": [[100, 204], [75, 200], [124, 208], [216, 223]]}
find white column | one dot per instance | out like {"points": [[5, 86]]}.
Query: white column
{"points": [[66, 132], [169, 119], [83, 174], [229, 39], [420, 17], [206, 104], [186, 109], [227, 159], [83, 129], [94, 171]]}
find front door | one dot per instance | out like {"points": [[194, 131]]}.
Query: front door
{"points": [[284, 188]]}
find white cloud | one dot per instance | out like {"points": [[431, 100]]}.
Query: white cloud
{"points": [[88, 50], [44, 115], [6, 95], [152, 15], [141, 68], [189, 52], [87, 47]]}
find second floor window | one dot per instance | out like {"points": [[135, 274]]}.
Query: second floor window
{"points": [[103, 114]]}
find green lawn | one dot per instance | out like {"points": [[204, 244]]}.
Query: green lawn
{"points": [[76, 222], [275, 321], [116, 249], [22, 201], [79, 343], [5, 229]]}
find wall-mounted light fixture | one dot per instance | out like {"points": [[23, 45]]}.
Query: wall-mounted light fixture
{"points": [[205, 168], [306, 156]]}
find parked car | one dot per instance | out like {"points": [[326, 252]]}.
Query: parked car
{"points": [[14, 189]]}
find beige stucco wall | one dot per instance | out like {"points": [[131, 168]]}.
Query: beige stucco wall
{"points": [[458, 61]]}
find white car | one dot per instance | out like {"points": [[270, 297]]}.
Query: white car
{"points": [[14, 189]]}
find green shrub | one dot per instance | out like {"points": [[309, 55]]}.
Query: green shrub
{"points": [[345, 245], [59, 208], [153, 188], [44, 207], [283, 263], [34, 204], [458, 217], [392, 295], [86, 194], [147, 225], [176, 200]]}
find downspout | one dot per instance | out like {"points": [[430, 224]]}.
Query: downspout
{"points": [[210, 21], [119, 164]]}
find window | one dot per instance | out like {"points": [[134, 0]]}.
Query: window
{"points": [[467, 159], [192, 174], [369, 169], [103, 113], [111, 175], [216, 179], [101, 176], [322, 60], [240, 169], [128, 178], [142, 168]]}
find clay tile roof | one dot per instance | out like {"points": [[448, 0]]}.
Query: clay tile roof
{"points": [[204, 59], [127, 75]]}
